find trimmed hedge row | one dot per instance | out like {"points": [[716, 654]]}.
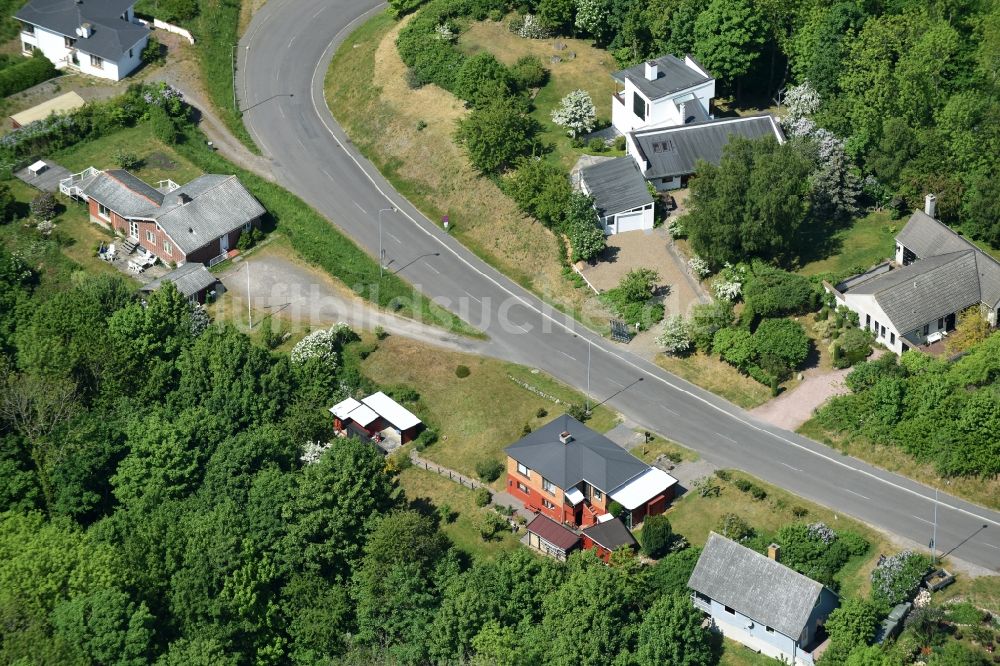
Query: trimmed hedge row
{"points": [[23, 75]]}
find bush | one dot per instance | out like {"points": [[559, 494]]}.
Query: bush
{"points": [[743, 485], [542, 413], [29, 72], [781, 345], [126, 159], [620, 144], [462, 371], [675, 337], [426, 437], [724, 474], [963, 613], [381, 333], [656, 536], [616, 509], [706, 319], [631, 298], [800, 511], [483, 497], [495, 135], [733, 527], [482, 79], [854, 346], [492, 524], [758, 493], [578, 412], [152, 52], [489, 470], [771, 292], [528, 73], [248, 239], [596, 145], [164, 127], [43, 206], [895, 579]]}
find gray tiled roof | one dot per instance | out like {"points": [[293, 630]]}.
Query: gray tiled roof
{"points": [[189, 279], [675, 151], [590, 455], [616, 186], [215, 205], [123, 193], [111, 37], [926, 237], [611, 534], [756, 586], [673, 76], [218, 205], [925, 290]]}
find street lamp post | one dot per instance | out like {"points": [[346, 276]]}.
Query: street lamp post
{"points": [[381, 252]]}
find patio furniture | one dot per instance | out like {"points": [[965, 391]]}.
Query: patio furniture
{"points": [[934, 337], [135, 267], [37, 168]]}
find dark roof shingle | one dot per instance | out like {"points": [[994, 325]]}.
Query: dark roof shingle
{"points": [[111, 35], [675, 151], [589, 456], [189, 279], [616, 185], [611, 534], [673, 76], [553, 532], [760, 588]]}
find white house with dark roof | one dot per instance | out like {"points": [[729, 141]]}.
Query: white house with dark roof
{"points": [[667, 156], [661, 92], [757, 601], [622, 200], [197, 222], [913, 301], [101, 38]]}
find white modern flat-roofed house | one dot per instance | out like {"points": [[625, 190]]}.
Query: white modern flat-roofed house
{"points": [[662, 92], [913, 301], [101, 38]]}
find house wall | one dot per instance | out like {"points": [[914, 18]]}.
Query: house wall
{"points": [[53, 45], [828, 602], [611, 225], [156, 246], [661, 112], [212, 249], [533, 498], [745, 630]]}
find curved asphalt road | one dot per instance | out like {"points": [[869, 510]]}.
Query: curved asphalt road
{"points": [[283, 59]]}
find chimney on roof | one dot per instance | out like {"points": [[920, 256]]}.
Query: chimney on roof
{"points": [[652, 70], [774, 552], [183, 198], [85, 30], [930, 206], [565, 437], [682, 108]]}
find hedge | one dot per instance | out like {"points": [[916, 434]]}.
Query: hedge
{"points": [[23, 75]]}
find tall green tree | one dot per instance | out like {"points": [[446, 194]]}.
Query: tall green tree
{"points": [[671, 633], [729, 39]]}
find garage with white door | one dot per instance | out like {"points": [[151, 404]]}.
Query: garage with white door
{"points": [[620, 194]]}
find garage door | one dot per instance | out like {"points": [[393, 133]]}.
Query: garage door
{"points": [[629, 221]]}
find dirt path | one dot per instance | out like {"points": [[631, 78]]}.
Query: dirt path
{"points": [[793, 408], [304, 295]]}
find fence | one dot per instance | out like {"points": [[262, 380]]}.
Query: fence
{"points": [[444, 471], [169, 27]]}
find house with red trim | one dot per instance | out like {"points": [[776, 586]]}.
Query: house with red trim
{"points": [[195, 222], [572, 474]]}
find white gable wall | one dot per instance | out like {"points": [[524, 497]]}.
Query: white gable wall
{"points": [[745, 630], [53, 46], [660, 112]]}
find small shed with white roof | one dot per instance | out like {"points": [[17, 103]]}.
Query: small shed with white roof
{"points": [[376, 417]]}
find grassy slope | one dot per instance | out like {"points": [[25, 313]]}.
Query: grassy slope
{"points": [[428, 168], [718, 377], [866, 242], [479, 415]]}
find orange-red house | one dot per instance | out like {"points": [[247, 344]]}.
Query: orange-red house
{"points": [[572, 474], [195, 222]]}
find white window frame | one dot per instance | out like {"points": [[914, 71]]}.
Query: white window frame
{"points": [[151, 237], [103, 211], [548, 505], [548, 486], [523, 488], [167, 247], [523, 470], [68, 42], [97, 62], [598, 494], [27, 47], [28, 28]]}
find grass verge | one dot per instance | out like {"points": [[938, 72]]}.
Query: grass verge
{"points": [[476, 417], [985, 492], [408, 135], [718, 377]]}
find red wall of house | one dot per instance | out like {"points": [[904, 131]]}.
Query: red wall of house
{"points": [[599, 550], [121, 225], [211, 250], [533, 501]]}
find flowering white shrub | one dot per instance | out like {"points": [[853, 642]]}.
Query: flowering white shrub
{"points": [[531, 28], [444, 32], [676, 228], [698, 266], [576, 112], [822, 532], [802, 100], [922, 600], [729, 286], [320, 344], [199, 320], [896, 577], [675, 336], [313, 451], [45, 227]]}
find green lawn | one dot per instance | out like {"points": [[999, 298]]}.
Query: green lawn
{"points": [[716, 376], [694, 517], [737, 654], [658, 446], [866, 242], [420, 484], [479, 415]]}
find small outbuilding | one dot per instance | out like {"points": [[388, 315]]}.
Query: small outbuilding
{"points": [[620, 194], [377, 417], [193, 281], [65, 103], [549, 537], [608, 536]]}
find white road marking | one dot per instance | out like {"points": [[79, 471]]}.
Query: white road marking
{"points": [[432, 268], [319, 12], [858, 494], [790, 467], [358, 205], [281, 110], [291, 40], [393, 237], [471, 296], [923, 520], [992, 546], [566, 355], [329, 176], [620, 385], [611, 352], [666, 409], [728, 439]]}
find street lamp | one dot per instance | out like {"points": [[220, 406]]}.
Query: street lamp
{"points": [[381, 252], [590, 346]]}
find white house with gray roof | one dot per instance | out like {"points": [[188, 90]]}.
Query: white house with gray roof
{"points": [[622, 200], [197, 222], [661, 92], [913, 301], [759, 602], [101, 38]]}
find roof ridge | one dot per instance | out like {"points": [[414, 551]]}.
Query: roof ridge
{"points": [[775, 563], [705, 123], [955, 256], [108, 173]]}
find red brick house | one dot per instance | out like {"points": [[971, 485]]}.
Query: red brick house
{"points": [[195, 222], [570, 473]]}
